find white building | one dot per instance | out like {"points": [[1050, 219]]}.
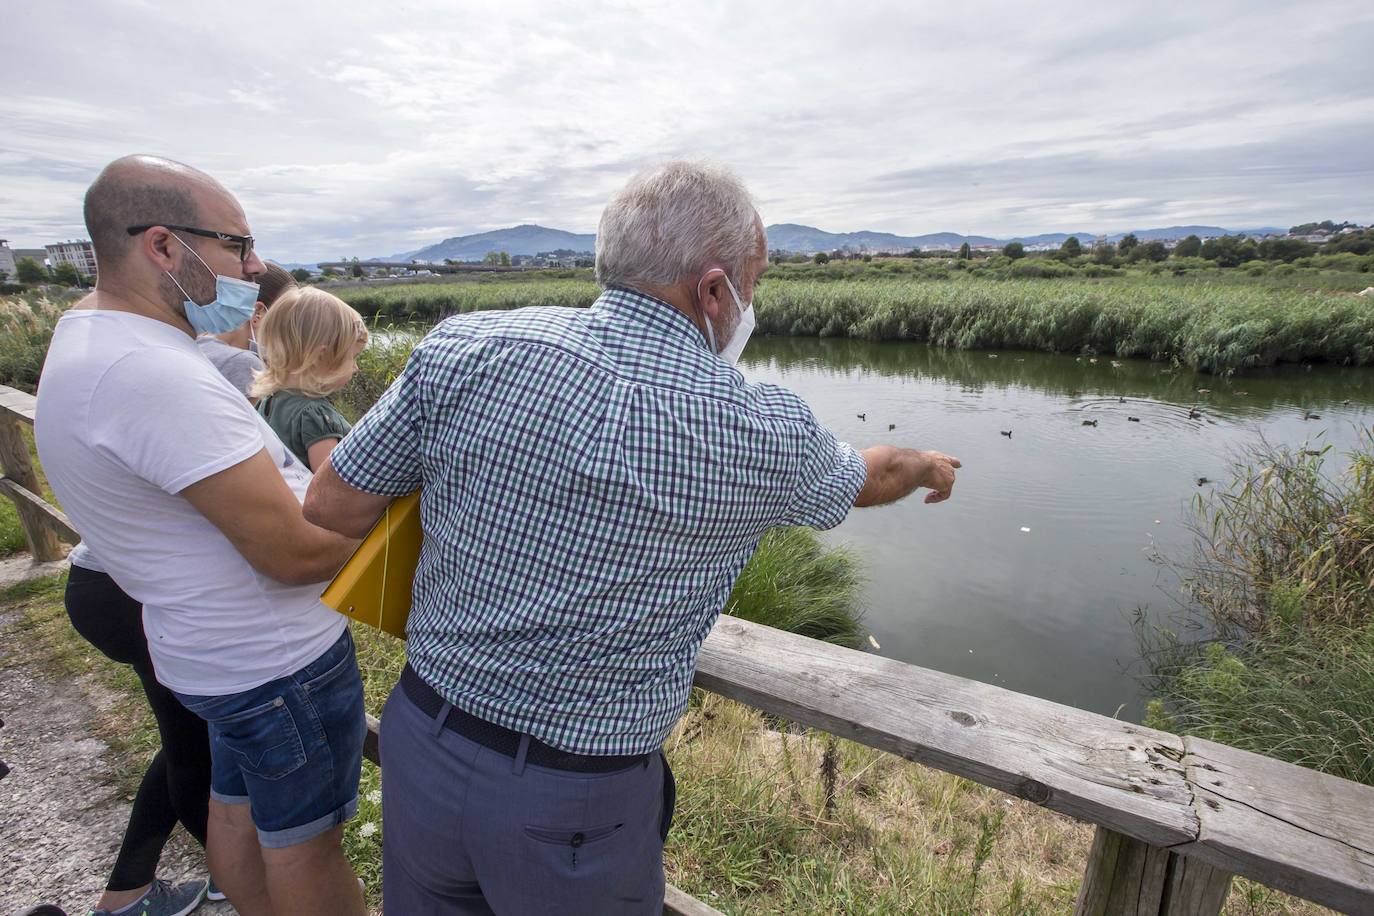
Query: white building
{"points": [[6, 259], [79, 254]]}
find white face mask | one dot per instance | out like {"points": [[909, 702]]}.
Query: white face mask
{"points": [[730, 353]]}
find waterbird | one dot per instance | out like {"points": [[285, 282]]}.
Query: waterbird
{"points": [[1202, 480], [1204, 391], [1309, 415], [1007, 433], [1133, 419], [1194, 413], [1089, 422], [891, 427], [862, 416]]}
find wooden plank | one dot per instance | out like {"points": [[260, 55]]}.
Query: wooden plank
{"points": [[51, 516], [18, 467], [1125, 877], [1117, 774], [1195, 887], [18, 404], [1285, 826], [675, 901], [371, 750], [678, 903]]}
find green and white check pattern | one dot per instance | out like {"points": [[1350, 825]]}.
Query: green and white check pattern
{"points": [[593, 482]]}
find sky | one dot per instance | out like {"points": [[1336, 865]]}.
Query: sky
{"points": [[349, 128]]}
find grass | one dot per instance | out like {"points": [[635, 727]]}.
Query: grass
{"points": [[26, 326], [1283, 579], [794, 582], [1225, 322], [12, 538], [753, 832], [1210, 327], [40, 623]]}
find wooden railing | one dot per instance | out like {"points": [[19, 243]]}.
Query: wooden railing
{"points": [[44, 525], [1176, 816]]}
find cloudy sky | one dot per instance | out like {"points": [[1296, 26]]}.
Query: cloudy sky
{"points": [[372, 128]]}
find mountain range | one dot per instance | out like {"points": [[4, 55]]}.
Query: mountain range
{"points": [[530, 240], [523, 239]]}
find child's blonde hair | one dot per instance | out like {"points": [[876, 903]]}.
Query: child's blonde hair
{"points": [[307, 333]]}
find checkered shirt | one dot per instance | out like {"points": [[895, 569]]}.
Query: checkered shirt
{"points": [[592, 482]]}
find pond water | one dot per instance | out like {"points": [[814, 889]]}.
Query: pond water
{"points": [[961, 586]]}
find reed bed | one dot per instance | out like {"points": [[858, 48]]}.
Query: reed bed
{"points": [[1216, 327], [1283, 578]]}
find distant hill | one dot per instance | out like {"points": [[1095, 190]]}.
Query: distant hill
{"points": [[793, 237], [526, 239], [807, 239], [1179, 232]]}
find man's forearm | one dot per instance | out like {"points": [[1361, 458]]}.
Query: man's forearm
{"points": [[892, 474], [317, 557], [895, 472], [333, 504]]}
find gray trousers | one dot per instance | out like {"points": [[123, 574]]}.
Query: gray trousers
{"points": [[470, 830]]}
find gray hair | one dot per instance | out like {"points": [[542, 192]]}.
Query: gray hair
{"points": [[669, 221]]}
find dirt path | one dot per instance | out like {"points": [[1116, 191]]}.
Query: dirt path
{"points": [[61, 817]]}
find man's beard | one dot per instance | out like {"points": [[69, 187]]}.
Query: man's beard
{"points": [[194, 279]]}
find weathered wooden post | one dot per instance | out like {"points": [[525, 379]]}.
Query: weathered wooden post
{"points": [[1126, 877], [14, 458]]}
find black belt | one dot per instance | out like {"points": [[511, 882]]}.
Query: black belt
{"points": [[503, 740]]}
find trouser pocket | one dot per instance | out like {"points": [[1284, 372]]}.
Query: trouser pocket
{"points": [[573, 840], [669, 799]]}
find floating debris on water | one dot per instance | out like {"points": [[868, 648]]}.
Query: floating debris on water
{"points": [[1025, 529], [873, 641]]}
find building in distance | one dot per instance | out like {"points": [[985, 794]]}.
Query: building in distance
{"points": [[79, 254]]}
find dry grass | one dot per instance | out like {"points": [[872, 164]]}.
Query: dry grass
{"points": [[752, 833]]}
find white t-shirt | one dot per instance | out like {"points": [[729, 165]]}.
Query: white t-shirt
{"points": [[130, 413], [81, 555]]}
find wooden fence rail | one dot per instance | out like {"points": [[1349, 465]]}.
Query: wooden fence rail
{"points": [[43, 525], [1176, 816]]}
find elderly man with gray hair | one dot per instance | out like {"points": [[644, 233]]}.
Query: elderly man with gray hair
{"points": [[592, 482]]}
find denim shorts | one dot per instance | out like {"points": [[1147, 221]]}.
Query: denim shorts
{"points": [[292, 748]]}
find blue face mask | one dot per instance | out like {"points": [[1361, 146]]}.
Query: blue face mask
{"points": [[232, 306]]}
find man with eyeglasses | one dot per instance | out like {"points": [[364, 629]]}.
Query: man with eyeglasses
{"points": [[189, 504]]}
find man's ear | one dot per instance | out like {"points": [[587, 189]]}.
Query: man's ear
{"points": [[713, 293], [157, 245]]}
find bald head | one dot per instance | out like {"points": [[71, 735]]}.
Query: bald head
{"points": [[139, 191]]}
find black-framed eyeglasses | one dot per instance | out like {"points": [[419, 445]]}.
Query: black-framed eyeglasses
{"points": [[245, 242]]}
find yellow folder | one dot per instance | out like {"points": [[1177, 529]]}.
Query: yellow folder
{"points": [[374, 586]]}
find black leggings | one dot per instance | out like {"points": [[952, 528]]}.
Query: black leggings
{"points": [[176, 786]]}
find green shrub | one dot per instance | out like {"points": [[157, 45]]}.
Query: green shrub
{"points": [[1281, 578], [26, 326]]}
